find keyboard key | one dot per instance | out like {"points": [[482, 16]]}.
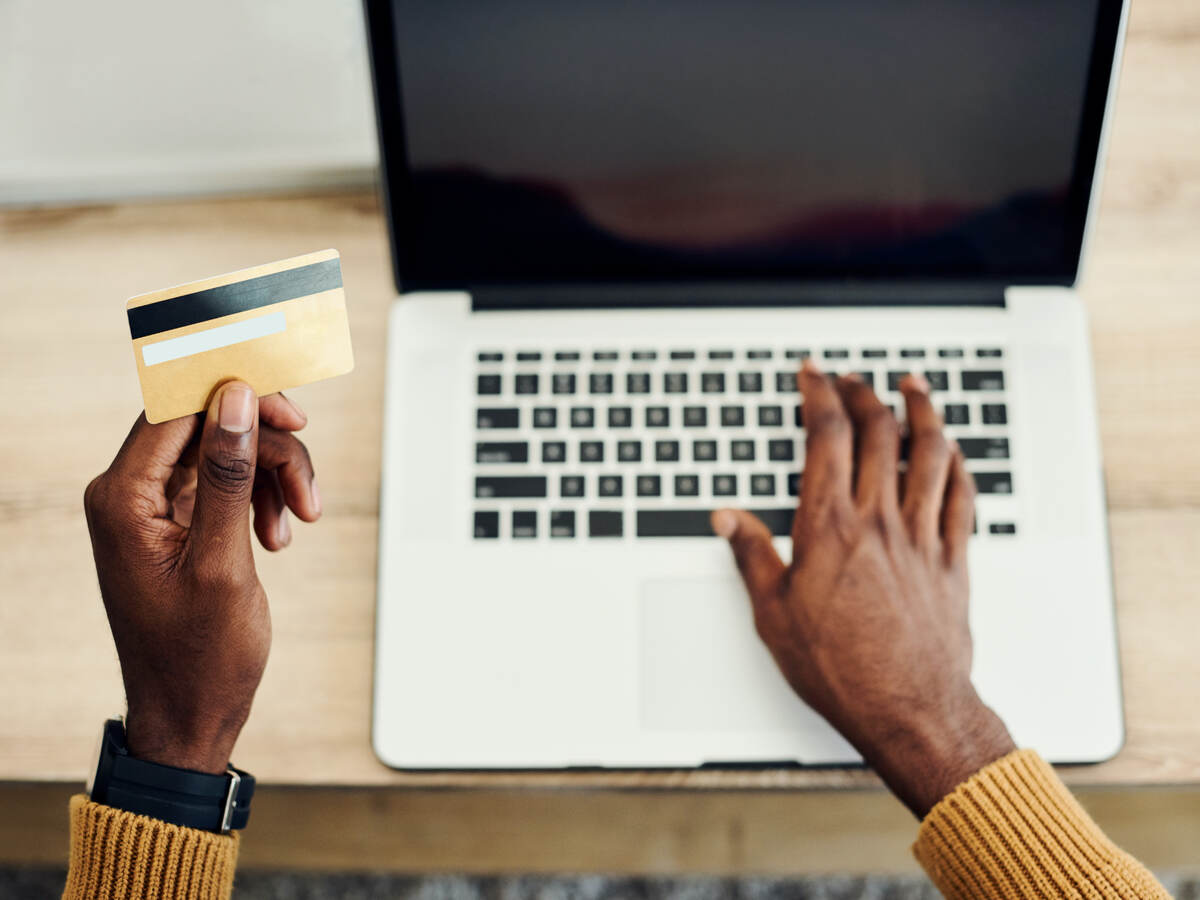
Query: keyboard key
{"points": [[868, 378], [658, 417], [990, 380], [781, 450], [563, 382], [611, 485], [762, 485], [785, 382], [502, 452], [571, 486], [675, 382], [798, 416], [495, 417], [993, 482], [620, 417], [605, 523], [912, 353], [796, 353], [629, 451], [984, 448], [637, 383], [939, 380], [704, 451], [605, 355], [741, 451], [687, 486], [894, 379], [562, 523], [724, 485], [666, 451], [600, 383], [649, 486], [545, 417], [491, 356], [554, 451], [758, 354], [488, 384], [695, 416], [989, 353], [950, 353], [487, 524], [644, 355], [750, 382], [770, 416], [733, 416], [591, 451], [698, 522], [583, 417], [837, 353], [567, 356], [683, 354], [874, 353], [529, 356], [712, 383], [720, 354], [510, 486], [957, 414], [524, 523], [793, 485], [995, 414], [526, 383], [1002, 528]]}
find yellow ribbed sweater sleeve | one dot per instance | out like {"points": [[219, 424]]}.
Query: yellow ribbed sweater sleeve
{"points": [[117, 855], [1014, 830]]}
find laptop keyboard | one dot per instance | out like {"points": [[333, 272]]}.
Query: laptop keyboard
{"points": [[610, 443]]}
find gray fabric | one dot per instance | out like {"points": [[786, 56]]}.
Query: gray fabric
{"points": [[46, 884]]}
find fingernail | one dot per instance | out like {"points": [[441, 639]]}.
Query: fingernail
{"points": [[294, 405], [724, 523], [853, 376], [236, 412], [810, 366], [285, 528], [918, 382], [316, 495]]}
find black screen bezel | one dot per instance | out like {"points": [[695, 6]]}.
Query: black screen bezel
{"points": [[397, 188]]}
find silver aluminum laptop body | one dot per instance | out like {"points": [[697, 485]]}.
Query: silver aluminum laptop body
{"points": [[546, 598]]}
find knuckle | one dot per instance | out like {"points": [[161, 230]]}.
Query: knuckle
{"points": [[883, 425], [227, 474], [830, 423]]}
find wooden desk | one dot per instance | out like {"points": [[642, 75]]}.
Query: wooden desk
{"points": [[70, 393]]}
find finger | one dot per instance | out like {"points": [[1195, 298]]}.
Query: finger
{"points": [[928, 463], [270, 514], [150, 452], [225, 475], [762, 569], [958, 512], [288, 458], [281, 412], [829, 452], [877, 435]]}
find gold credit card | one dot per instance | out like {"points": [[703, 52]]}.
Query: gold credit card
{"points": [[275, 326]]}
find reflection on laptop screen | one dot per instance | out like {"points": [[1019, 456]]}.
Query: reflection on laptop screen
{"points": [[605, 139]]}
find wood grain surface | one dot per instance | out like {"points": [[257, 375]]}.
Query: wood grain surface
{"points": [[70, 393]]}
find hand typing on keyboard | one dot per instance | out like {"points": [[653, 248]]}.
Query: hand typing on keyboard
{"points": [[868, 622]]}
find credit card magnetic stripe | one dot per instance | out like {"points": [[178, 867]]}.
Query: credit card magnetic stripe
{"points": [[240, 296]]}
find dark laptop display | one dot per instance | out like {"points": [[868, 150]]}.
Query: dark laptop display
{"points": [[550, 141]]}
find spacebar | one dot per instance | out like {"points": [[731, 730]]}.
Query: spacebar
{"points": [[695, 522]]}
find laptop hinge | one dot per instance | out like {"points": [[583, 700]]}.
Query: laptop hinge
{"points": [[711, 294]]}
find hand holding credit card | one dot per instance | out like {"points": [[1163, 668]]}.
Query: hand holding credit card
{"points": [[275, 326]]}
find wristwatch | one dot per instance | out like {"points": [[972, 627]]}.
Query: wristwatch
{"points": [[181, 797]]}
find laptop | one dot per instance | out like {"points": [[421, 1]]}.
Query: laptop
{"points": [[618, 229]]}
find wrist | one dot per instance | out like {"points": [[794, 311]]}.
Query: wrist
{"points": [[199, 747], [924, 758]]}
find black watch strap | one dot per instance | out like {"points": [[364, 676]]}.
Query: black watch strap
{"points": [[179, 796]]}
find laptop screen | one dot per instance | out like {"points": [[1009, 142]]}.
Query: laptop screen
{"points": [[536, 141]]}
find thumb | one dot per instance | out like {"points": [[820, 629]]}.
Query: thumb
{"points": [[225, 471], [750, 539]]}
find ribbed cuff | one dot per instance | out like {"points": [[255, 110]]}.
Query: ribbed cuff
{"points": [[1014, 830], [117, 855]]}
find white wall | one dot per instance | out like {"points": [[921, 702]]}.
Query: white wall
{"points": [[103, 99]]}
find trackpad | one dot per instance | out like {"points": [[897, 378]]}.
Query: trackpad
{"points": [[703, 666]]}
